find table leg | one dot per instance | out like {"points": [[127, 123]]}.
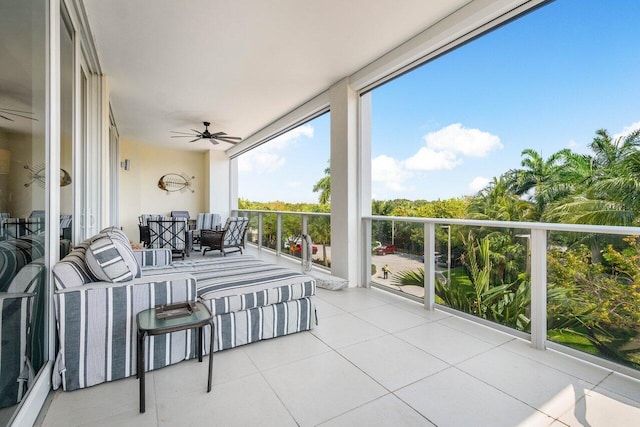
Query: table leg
{"points": [[211, 356], [141, 369], [200, 332]]}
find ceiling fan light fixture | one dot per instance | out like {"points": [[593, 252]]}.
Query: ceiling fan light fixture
{"points": [[214, 138]]}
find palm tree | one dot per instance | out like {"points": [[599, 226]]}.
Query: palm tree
{"points": [[539, 178], [324, 186], [607, 183], [606, 187], [497, 202]]}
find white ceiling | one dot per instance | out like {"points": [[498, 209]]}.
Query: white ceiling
{"points": [[239, 64]]}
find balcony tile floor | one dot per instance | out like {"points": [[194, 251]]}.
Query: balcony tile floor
{"points": [[375, 359]]}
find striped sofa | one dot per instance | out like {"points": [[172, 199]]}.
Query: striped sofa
{"points": [[251, 300]]}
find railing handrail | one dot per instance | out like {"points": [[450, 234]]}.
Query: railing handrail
{"points": [[285, 212], [581, 228]]}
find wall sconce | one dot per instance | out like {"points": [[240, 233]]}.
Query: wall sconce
{"points": [[125, 164], [5, 161]]}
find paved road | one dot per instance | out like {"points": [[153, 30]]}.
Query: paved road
{"points": [[397, 263]]}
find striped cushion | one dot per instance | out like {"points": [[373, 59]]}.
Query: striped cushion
{"points": [[72, 271], [153, 257], [111, 260], [65, 221], [115, 232], [208, 221], [15, 254]]}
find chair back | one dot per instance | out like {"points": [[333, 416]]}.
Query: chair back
{"points": [[65, 226], [208, 221], [142, 219], [37, 214], [18, 227], [235, 229], [168, 233], [180, 214], [3, 216]]}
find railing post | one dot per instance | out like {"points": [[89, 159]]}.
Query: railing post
{"points": [[303, 253], [278, 233], [538, 255], [259, 230], [429, 265], [366, 255]]}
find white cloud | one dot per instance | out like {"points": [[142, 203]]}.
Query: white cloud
{"points": [[283, 141], [627, 130], [294, 184], [468, 142], [390, 172], [265, 158], [428, 159], [478, 183], [260, 162], [445, 150]]}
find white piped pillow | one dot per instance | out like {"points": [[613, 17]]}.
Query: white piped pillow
{"points": [[111, 260]]}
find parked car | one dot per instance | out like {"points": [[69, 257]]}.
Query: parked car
{"points": [[385, 249], [298, 248]]}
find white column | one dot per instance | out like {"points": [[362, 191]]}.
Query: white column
{"points": [[364, 177], [219, 191], [344, 181]]}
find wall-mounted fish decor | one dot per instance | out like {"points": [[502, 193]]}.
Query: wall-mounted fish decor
{"points": [[38, 175], [176, 182]]}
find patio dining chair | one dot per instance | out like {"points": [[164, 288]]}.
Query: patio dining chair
{"points": [[229, 239], [3, 216], [65, 226], [19, 227], [169, 233], [205, 221], [143, 227]]}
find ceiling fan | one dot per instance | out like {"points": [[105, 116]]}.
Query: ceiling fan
{"points": [[6, 112], [215, 138]]}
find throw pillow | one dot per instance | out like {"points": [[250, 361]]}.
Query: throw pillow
{"points": [[111, 260]]}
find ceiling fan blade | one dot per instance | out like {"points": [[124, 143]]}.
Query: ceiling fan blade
{"points": [[218, 134], [213, 141], [15, 111], [20, 115], [184, 133], [183, 136], [193, 140], [234, 138], [226, 140]]}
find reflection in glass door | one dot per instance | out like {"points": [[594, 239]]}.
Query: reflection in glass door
{"points": [[67, 174], [23, 277]]}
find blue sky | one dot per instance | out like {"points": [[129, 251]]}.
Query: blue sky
{"points": [[546, 81]]}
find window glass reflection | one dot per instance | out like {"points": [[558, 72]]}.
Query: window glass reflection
{"points": [[22, 198]]}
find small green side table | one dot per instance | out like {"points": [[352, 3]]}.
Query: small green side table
{"points": [[149, 324]]}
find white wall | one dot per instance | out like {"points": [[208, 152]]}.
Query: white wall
{"points": [[139, 192], [217, 164]]}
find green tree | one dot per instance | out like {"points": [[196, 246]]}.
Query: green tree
{"points": [[324, 186], [538, 180]]}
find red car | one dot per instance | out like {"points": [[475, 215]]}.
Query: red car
{"points": [[298, 248], [385, 249]]}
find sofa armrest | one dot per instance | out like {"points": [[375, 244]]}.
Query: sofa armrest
{"points": [[153, 257], [14, 334], [97, 329]]}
